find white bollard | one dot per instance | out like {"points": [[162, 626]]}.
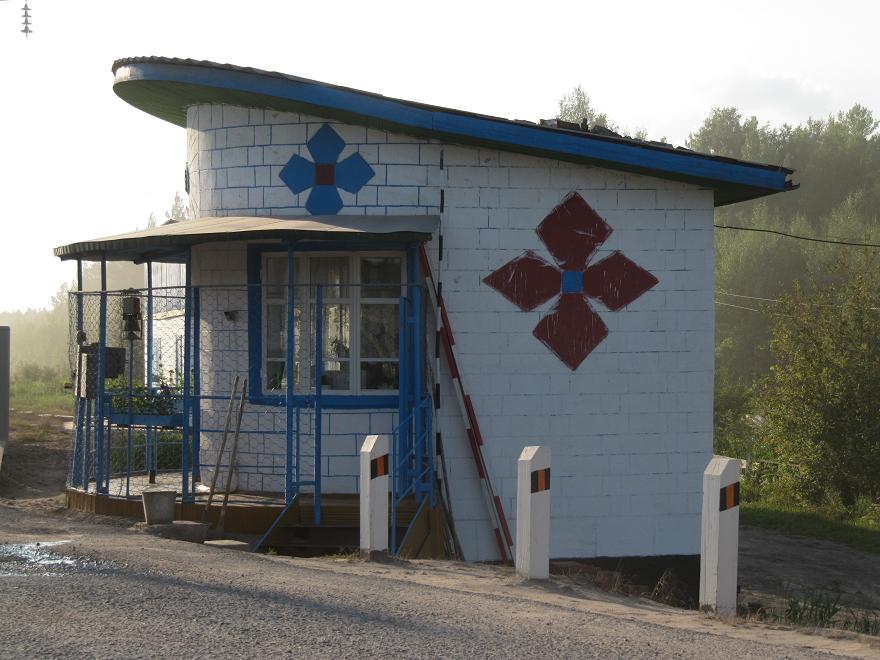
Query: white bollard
{"points": [[375, 467], [533, 513], [719, 545]]}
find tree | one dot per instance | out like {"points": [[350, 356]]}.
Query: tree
{"points": [[575, 106], [820, 404], [178, 212]]}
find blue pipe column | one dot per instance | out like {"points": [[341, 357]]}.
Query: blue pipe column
{"points": [[402, 376], [319, 369], [87, 448], [289, 369], [417, 391], [151, 451], [78, 438], [197, 388], [99, 403], [187, 336]]}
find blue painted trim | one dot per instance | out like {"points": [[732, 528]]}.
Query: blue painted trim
{"points": [[255, 253], [255, 322], [446, 124], [331, 401]]}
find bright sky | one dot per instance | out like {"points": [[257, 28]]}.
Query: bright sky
{"points": [[76, 162]]}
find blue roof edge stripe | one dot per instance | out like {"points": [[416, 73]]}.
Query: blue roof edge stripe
{"points": [[448, 123]]}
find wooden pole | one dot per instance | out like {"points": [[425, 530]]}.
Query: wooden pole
{"points": [[222, 449], [232, 454]]}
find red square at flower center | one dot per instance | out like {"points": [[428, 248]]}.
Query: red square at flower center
{"points": [[325, 175]]}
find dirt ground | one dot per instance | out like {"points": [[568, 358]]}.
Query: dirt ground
{"points": [[772, 567]]}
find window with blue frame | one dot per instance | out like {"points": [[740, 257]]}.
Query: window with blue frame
{"points": [[360, 317]]}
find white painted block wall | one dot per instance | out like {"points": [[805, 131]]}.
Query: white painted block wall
{"points": [[631, 428]]}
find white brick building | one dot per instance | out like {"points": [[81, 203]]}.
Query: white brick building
{"points": [[593, 336]]}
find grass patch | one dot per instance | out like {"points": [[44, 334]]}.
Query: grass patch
{"points": [[860, 534], [40, 396]]}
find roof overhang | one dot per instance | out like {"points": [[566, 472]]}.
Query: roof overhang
{"points": [[165, 87], [171, 241]]}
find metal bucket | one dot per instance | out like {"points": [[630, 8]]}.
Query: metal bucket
{"points": [[159, 506]]}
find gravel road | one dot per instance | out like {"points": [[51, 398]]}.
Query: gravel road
{"points": [[109, 592]]}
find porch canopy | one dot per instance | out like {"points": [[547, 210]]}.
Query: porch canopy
{"points": [[171, 241]]}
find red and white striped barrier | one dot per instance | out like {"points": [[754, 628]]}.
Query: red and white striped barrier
{"points": [[445, 344]]}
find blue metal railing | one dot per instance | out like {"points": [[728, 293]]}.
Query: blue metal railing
{"points": [[412, 461]]}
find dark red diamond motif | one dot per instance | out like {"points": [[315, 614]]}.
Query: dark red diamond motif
{"points": [[572, 330], [526, 281], [572, 232], [617, 281]]}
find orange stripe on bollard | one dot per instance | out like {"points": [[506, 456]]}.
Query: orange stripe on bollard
{"points": [[541, 480], [379, 466], [729, 497]]}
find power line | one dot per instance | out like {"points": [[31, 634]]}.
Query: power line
{"points": [[751, 309], [776, 300], [801, 238], [739, 295]]}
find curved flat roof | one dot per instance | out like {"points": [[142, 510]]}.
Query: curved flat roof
{"points": [[165, 87]]}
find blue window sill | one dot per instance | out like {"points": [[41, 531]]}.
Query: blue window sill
{"points": [[330, 401]]}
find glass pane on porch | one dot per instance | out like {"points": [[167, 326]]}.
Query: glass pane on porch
{"points": [[275, 376], [329, 271], [379, 375], [380, 270], [276, 320], [335, 375], [337, 331], [379, 332]]}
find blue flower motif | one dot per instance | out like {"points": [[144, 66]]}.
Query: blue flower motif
{"points": [[324, 176]]}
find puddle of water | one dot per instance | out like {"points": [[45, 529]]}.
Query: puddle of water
{"points": [[38, 559]]}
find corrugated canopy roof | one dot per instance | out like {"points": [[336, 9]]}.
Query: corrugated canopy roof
{"points": [[170, 241]]}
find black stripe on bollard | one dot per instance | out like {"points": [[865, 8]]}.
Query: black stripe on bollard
{"points": [[729, 497], [541, 480], [379, 466]]}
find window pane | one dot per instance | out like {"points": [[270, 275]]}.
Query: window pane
{"points": [[329, 271], [276, 273], [275, 376], [379, 330], [337, 331], [379, 375], [335, 375], [276, 319], [380, 270]]}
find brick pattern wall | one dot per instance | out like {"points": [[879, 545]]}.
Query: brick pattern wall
{"points": [[631, 428]]}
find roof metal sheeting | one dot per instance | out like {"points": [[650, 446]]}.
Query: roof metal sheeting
{"points": [[169, 242], [165, 87]]}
